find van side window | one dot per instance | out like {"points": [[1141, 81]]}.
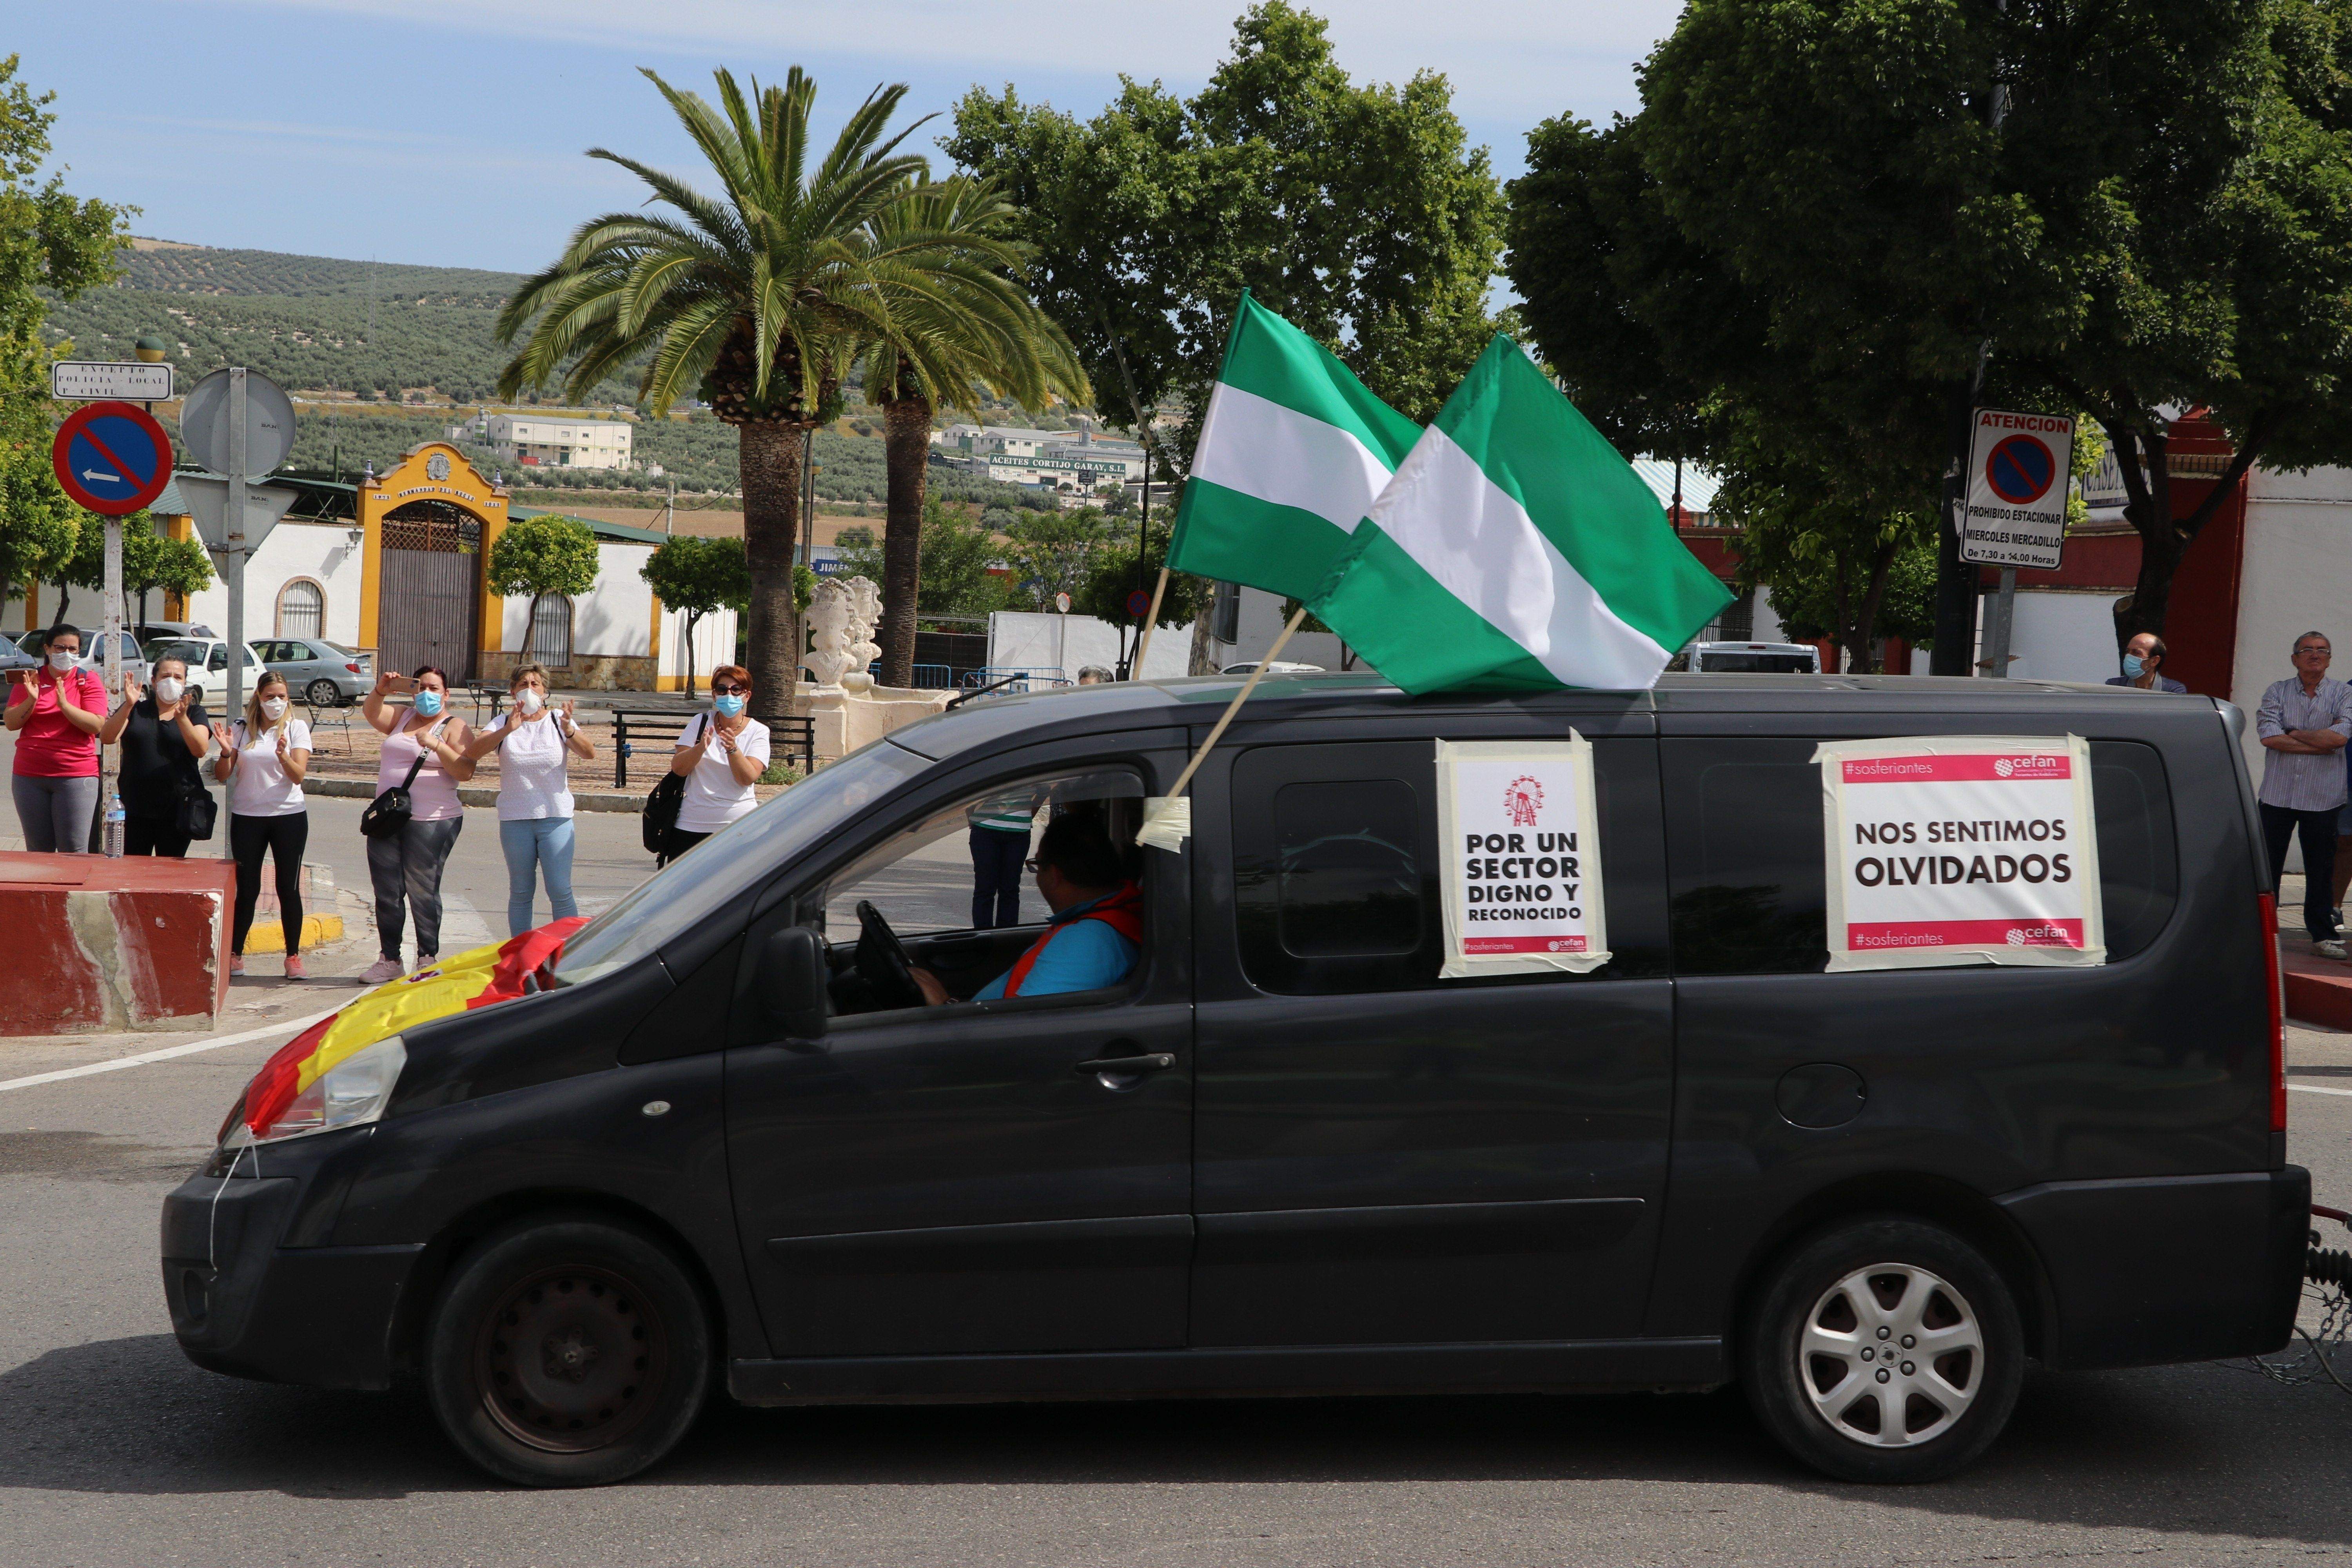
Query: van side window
{"points": [[2140, 859], [1333, 888], [1744, 856]]}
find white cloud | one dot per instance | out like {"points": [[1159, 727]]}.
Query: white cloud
{"points": [[1520, 59]]}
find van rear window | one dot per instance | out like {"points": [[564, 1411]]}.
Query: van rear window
{"points": [[1745, 859]]}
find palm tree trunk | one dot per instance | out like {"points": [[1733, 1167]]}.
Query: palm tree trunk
{"points": [[769, 457], [906, 450]]}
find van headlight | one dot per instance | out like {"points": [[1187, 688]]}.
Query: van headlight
{"points": [[352, 1093]]}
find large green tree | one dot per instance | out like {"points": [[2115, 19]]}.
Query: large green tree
{"points": [[1360, 213], [958, 554], [961, 323], [754, 298], [52, 245], [1814, 228]]}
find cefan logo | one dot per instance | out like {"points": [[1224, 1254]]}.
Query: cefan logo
{"points": [[2004, 767], [2016, 936], [2028, 766]]}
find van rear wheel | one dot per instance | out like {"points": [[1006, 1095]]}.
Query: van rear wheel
{"points": [[1885, 1350], [568, 1352]]}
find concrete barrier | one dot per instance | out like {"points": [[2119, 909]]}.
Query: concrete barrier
{"points": [[98, 946]]}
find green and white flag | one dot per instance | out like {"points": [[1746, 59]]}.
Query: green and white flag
{"points": [[1292, 451], [1514, 550]]}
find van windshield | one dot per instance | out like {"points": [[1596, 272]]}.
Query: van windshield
{"points": [[735, 859]]}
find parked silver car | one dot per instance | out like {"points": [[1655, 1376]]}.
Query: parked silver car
{"points": [[324, 674], [207, 660]]}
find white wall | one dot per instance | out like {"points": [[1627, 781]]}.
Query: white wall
{"points": [[614, 618], [2060, 635], [321, 552], [714, 645], [2297, 577], [1025, 639]]}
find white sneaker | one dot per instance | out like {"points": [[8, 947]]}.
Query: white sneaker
{"points": [[2329, 949], [382, 970]]}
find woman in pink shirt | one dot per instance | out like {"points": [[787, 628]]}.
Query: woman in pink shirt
{"points": [[57, 711], [424, 738]]}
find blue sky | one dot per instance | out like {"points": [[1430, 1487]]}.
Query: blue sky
{"points": [[450, 131]]}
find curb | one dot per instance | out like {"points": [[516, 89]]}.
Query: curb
{"points": [[477, 794], [270, 937]]}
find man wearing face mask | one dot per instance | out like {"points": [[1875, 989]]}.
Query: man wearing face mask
{"points": [[723, 754], [2143, 659], [163, 735], [57, 711]]}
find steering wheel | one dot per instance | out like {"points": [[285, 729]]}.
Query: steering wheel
{"points": [[882, 961]]}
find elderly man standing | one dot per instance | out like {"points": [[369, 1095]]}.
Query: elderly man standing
{"points": [[2304, 725]]}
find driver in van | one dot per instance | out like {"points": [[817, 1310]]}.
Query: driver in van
{"points": [[1097, 932]]}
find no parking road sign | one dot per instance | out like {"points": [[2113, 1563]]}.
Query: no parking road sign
{"points": [[111, 457], [2015, 514]]}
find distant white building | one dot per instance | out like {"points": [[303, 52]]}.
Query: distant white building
{"points": [[532, 441]]}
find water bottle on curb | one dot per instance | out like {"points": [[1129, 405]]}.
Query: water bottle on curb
{"points": [[114, 827]]}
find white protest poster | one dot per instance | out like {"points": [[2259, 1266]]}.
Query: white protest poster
{"points": [[1519, 858], [1949, 849]]}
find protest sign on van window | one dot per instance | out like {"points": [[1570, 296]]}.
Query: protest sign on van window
{"points": [[1949, 849], [1519, 858]]}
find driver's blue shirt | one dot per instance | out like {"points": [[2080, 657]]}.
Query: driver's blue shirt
{"points": [[1080, 955]]}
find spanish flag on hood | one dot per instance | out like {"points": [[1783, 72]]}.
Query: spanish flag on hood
{"points": [[459, 984]]}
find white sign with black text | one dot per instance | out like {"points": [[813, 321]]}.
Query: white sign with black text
{"points": [[2021, 469], [1519, 858], [96, 381], [1949, 849]]}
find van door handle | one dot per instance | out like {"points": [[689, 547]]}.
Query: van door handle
{"points": [[1154, 1061]]}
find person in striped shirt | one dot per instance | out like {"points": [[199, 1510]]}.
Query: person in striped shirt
{"points": [[2304, 723], [1000, 843]]}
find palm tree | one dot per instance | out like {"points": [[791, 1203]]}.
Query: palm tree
{"points": [[945, 259], [752, 297]]}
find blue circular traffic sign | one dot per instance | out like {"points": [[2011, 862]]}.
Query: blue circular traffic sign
{"points": [[111, 457], [2019, 470], [1138, 602]]}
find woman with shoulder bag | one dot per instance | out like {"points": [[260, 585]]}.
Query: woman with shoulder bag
{"points": [[534, 742], [720, 755], [165, 735], [264, 757], [424, 753]]}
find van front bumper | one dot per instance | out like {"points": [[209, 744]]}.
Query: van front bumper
{"points": [[2167, 1268], [244, 1305]]}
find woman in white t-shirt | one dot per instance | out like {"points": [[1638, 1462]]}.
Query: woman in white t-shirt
{"points": [[723, 754], [534, 743], [263, 759]]}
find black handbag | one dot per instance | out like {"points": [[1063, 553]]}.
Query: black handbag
{"points": [[388, 813], [197, 813], [661, 812]]}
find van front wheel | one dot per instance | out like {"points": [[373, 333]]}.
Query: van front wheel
{"points": [[1885, 1350], [568, 1352]]}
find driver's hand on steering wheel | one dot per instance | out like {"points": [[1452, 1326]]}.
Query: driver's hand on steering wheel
{"points": [[934, 989]]}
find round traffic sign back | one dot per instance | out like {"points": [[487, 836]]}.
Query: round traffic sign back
{"points": [[2019, 470], [111, 457], [1138, 602]]}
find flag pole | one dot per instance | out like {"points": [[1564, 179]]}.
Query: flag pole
{"points": [[1150, 619], [1170, 825]]}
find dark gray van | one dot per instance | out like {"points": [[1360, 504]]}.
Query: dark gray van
{"points": [[721, 1144]]}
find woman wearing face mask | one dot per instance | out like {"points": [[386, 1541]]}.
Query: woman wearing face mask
{"points": [[263, 760], [534, 742], [404, 868], [723, 754], [56, 712], [165, 735]]}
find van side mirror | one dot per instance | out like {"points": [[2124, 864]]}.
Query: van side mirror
{"points": [[790, 980]]}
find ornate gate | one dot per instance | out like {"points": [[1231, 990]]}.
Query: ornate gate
{"points": [[429, 601]]}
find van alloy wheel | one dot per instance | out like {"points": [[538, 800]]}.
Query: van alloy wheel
{"points": [[572, 1360], [1892, 1356], [1882, 1348]]}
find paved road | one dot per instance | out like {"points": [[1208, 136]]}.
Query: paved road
{"points": [[114, 1450]]}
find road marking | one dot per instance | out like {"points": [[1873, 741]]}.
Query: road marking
{"points": [[294, 1025], [2305, 1088]]}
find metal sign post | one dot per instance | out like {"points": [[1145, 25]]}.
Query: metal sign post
{"points": [[2014, 511], [239, 425], [233, 544]]}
